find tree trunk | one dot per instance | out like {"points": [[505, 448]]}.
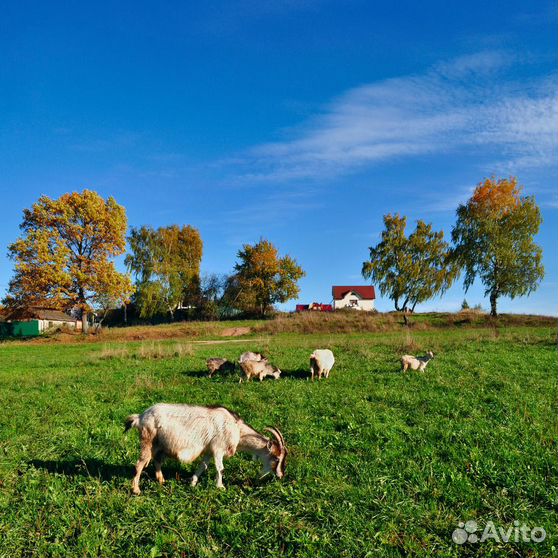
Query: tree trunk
{"points": [[84, 322], [404, 310], [493, 301]]}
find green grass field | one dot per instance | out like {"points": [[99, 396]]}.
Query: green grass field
{"points": [[380, 464]]}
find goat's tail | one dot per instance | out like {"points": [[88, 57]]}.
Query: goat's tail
{"points": [[133, 421]]}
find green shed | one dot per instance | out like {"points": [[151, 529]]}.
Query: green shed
{"points": [[20, 329], [32, 321]]}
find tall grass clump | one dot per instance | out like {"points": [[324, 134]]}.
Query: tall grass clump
{"points": [[146, 350]]}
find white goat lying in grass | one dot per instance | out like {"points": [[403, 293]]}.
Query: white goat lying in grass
{"points": [[185, 432], [416, 363]]}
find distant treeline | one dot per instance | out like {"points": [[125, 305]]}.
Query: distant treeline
{"points": [[65, 259]]}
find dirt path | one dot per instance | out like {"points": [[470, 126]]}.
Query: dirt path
{"points": [[222, 341]]}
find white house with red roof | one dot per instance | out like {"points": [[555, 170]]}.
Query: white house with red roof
{"points": [[357, 298]]}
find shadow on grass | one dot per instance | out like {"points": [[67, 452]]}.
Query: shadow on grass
{"points": [[85, 468], [196, 373], [235, 374], [298, 374], [172, 470], [99, 469]]}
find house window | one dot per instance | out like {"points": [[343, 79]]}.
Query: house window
{"points": [[49, 324]]}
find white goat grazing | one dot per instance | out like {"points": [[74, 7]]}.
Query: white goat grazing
{"points": [[321, 362], [416, 363], [185, 432], [259, 368], [251, 356]]}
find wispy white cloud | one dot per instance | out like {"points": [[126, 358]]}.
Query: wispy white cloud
{"points": [[550, 204], [466, 104], [470, 66], [440, 202]]}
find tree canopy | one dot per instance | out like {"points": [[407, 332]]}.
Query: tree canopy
{"points": [[262, 278], [166, 265], [409, 270], [494, 240], [63, 258]]}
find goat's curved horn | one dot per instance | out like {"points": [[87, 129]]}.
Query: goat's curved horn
{"points": [[276, 434], [281, 436]]}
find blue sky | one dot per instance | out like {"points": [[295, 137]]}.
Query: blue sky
{"points": [[303, 122]]}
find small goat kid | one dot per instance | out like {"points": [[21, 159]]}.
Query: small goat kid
{"points": [[416, 363], [186, 432]]}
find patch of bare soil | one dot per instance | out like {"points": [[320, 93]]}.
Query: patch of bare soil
{"points": [[235, 331]]}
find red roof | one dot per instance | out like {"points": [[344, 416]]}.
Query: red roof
{"points": [[367, 293]]}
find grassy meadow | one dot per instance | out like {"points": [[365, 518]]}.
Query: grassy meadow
{"points": [[380, 463]]}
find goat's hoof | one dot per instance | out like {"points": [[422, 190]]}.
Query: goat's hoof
{"points": [[221, 487], [193, 482], [136, 491]]}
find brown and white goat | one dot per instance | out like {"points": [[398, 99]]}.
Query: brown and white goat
{"points": [[259, 369], [186, 432]]}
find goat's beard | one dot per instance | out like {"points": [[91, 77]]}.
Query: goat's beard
{"points": [[267, 469]]}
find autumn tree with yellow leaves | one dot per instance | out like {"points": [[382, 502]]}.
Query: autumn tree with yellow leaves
{"points": [[63, 258], [494, 240], [262, 278]]}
